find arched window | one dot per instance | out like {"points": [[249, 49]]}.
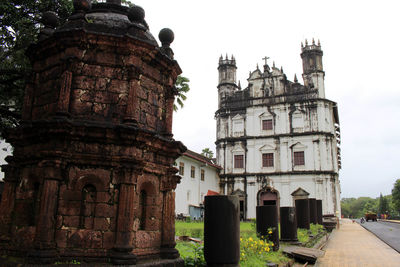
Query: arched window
{"points": [[142, 204], [88, 207]]}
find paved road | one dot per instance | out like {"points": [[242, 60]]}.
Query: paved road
{"points": [[388, 232]]}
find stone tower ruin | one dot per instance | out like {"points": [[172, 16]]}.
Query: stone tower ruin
{"points": [[92, 177]]}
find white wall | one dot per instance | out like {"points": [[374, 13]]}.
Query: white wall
{"points": [[197, 188], [320, 152], [5, 150]]}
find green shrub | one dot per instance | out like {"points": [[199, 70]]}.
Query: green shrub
{"points": [[192, 254]]}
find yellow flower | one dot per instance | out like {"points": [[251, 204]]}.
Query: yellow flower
{"points": [[243, 254], [272, 244], [250, 239], [270, 232]]}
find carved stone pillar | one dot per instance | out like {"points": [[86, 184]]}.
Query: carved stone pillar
{"points": [[44, 242], [46, 219], [44, 251], [132, 110], [168, 116], [65, 91], [122, 251], [168, 224]]}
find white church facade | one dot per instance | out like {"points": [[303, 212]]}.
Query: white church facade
{"points": [[278, 140]]}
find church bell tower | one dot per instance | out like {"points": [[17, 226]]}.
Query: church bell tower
{"points": [[227, 78], [313, 72]]}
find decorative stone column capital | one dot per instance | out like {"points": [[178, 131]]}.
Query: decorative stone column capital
{"points": [[52, 169]]}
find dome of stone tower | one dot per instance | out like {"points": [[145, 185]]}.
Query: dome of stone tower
{"points": [[109, 18]]}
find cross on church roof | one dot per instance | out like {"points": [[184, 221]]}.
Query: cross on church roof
{"points": [[265, 58]]}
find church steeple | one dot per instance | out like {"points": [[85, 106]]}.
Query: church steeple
{"points": [[313, 72], [227, 70], [227, 77]]}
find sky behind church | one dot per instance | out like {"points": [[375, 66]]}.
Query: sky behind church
{"points": [[361, 45]]}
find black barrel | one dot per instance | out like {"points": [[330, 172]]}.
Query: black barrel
{"points": [[319, 211], [288, 224], [267, 218], [221, 230], [313, 210], [303, 213]]}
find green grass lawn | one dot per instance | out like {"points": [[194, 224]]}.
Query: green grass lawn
{"points": [[196, 229], [254, 252]]}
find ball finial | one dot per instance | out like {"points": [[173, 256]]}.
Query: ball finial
{"points": [[82, 5], [136, 14], [166, 36], [50, 19]]}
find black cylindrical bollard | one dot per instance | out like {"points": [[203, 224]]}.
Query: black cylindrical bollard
{"points": [[266, 218], [319, 211], [313, 210], [221, 230], [288, 224], [303, 213]]}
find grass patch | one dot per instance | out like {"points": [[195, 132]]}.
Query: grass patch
{"points": [[196, 229], [304, 235], [253, 251], [192, 229]]}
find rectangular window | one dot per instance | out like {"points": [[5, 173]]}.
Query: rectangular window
{"points": [[202, 175], [267, 125], [181, 168], [192, 171], [298, 158], [268, 160], [238, 161]]}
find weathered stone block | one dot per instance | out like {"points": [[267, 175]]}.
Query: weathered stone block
{"points": [[103, 197], [146, 239], [105, 210], [69, 208], [108, 240], [71, 221], [61, 238], [118, 86], [102, 224]]}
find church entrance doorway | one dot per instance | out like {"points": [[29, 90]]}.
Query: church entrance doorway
{"points": [[268, 196]]}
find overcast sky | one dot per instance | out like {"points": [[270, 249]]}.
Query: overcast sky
{"points": [[360, 41], [361, 44]]}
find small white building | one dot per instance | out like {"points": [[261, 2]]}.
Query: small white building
{"points": [[199, 177]]}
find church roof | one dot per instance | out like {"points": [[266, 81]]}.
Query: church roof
{"points": [[201, 158]]}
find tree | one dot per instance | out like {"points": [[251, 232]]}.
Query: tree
{"points": [[396, 195], [182, 87], [383, 205], [206, 152], [357, 207], [19, 27]]}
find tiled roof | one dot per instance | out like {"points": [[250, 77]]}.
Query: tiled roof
{"points": [[201, 158]]}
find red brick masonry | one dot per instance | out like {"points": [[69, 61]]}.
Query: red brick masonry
{"points": [[91, 175]]}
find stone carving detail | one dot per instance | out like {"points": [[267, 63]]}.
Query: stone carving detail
{"points": [[65, 90]]}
